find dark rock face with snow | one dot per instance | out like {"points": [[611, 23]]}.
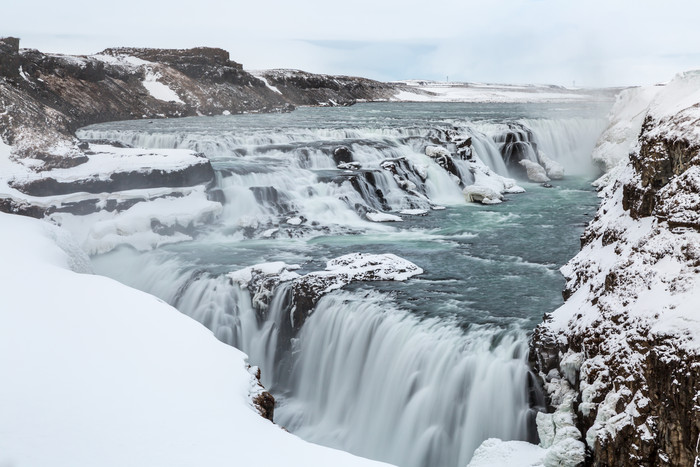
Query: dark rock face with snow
{"points": [[302, 88], [624, 349]]}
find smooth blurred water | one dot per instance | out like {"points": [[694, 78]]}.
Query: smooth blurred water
{"points": [[416, 373]]}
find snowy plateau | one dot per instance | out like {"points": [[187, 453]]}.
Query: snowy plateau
{"points": [[97, 373]]}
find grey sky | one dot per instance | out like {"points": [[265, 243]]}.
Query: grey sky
{"points": [[595, 42]]}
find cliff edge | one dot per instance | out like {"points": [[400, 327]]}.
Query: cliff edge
{"points": [[622, 355]]}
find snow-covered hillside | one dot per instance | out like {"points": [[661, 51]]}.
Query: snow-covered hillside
{"points": [[96, 373], [626, 343]]}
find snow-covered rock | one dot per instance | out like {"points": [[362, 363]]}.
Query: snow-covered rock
{"points": [[341, 271], [482, 194], [97, 373], [414, 212], [627, 336], [383, 217], [554, 169], [535, 172]]}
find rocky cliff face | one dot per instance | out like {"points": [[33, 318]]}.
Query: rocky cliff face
{"points": [[623, 352], [302, 88]]}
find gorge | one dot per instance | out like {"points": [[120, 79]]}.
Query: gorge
{"points": [[251, 224]]}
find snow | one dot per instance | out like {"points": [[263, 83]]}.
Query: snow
{"points": [[535, 172], [108, 160], [275, 268], [482, 194], [353, 267], [383, 217], [432, 91], [496, 453], [554, 169], [387, 267], [625, 124], [414, 212], [159, 90], [122, 60], [96, 373], [260, 75], [103, 231]]}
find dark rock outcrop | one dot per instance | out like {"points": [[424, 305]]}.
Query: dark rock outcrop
{"points": [[302, 88]]}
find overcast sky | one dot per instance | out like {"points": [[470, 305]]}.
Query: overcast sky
{"points": [[594, 43]]}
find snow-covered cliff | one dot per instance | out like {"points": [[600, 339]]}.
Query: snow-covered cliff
{"points": [[624, 350]]}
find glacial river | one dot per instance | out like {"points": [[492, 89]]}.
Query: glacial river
{"points": [[415, 373]]}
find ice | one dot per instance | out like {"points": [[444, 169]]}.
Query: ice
{"points": [[535, 172], [414, 212]]}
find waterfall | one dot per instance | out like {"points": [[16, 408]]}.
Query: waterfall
{"points": [[372, 379], [568, 141], [362, 375], [367, 372]]}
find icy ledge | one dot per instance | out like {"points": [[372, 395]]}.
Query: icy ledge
{"points": [[97, 373], [262, 279]]}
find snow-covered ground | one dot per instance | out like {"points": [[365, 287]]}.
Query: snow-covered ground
{"points": [[122, 216], [434, 91], [96, 373]]}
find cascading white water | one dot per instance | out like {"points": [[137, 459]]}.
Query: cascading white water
{"points": [[364, 374], [372, 379], [568, 141]]}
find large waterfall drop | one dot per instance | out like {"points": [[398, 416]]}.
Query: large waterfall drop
{"points": [[415, 373]]}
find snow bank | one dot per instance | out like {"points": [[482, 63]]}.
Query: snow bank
{"points": [[96, 373], [104, 161], [143, 226], [496, 453]]}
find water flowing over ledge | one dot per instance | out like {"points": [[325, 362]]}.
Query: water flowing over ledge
{"points": [[416, 373]]}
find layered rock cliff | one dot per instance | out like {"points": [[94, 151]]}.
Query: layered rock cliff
{"points": [[44, 98], [623, 352]]}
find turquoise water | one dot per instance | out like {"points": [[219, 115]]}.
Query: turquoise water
{"points": [[445, 351]]}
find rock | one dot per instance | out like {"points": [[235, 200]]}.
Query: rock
{"points": [[482, 194], [625, 341], [342, 155], [554, 169], [535, 172], [517, 144], [444, 159]]}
